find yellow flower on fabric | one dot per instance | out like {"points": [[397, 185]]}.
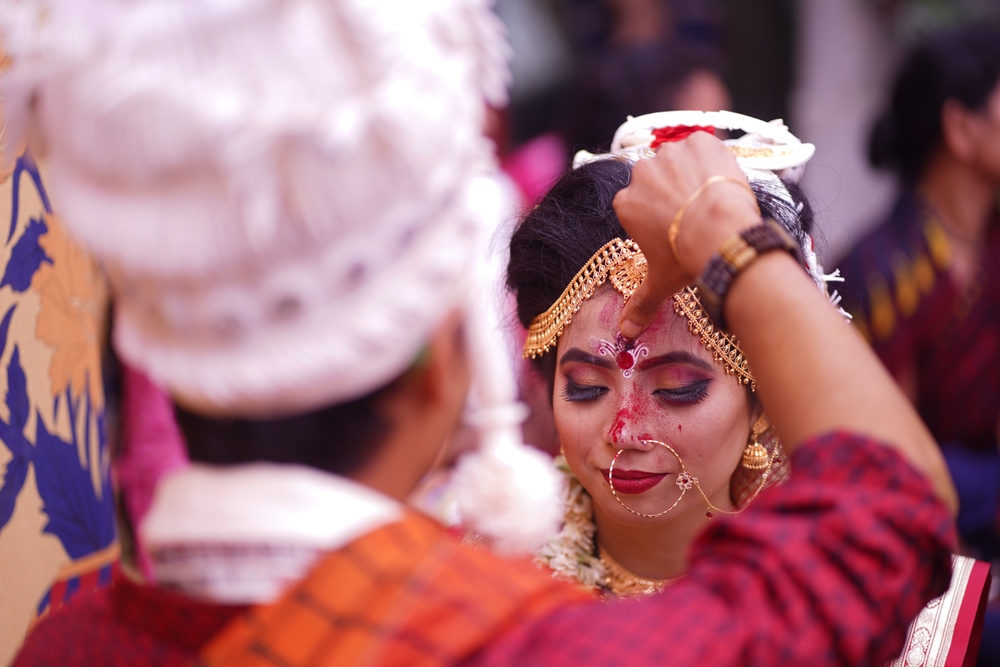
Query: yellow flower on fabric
{"points": [[70, 317]]}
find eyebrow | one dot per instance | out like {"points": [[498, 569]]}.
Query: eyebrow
{"points": [[576, 354], [678, 357]]}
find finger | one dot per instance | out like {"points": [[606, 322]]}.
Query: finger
{"points": [[642, 307]]}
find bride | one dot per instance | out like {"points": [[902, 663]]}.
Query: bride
{"points": [[662, 433]]}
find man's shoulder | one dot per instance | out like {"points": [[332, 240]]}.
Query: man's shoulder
{"points": [[408, 593], [419, 551]]}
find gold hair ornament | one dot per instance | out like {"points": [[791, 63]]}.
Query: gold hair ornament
{"points": [[619, 260], [624, 263], [725, 349]]}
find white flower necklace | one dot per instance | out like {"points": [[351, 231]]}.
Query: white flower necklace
{"points": [[571, 553]]}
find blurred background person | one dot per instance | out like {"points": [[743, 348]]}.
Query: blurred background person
{"points": [[821, 65], [638, 60], [581, 66], [925, 285]]}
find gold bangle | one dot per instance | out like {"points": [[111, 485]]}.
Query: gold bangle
{"points": [[674, 230]]}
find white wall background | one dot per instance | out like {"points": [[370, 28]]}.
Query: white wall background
{"points": [[845, 60]]}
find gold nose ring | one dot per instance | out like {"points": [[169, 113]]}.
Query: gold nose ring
{"points": [[684, 480]]}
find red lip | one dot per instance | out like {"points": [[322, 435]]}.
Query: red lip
{"points": [[633, 482]]}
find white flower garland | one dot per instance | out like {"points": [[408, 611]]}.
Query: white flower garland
{"points": [[570, 554]]}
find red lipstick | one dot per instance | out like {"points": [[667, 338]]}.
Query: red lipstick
{"points": [[633, 482]]}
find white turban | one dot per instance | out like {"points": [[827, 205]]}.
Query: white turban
{"points": [[278, 189]]}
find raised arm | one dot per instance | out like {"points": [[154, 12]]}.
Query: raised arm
{"points": [[814, 373]]}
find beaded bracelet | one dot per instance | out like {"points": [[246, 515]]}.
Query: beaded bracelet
{"points": [[735, 255]]}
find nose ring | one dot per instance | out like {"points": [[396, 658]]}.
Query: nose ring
{"points": [[685, 481]]}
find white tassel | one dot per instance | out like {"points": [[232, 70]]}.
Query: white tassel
{"points": [[506, 491], [834, 277], [509, 493]]}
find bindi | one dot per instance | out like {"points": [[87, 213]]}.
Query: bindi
{"points": [[624, 351]]}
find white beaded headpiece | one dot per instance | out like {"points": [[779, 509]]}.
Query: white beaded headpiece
{"points": [[768, 153]]}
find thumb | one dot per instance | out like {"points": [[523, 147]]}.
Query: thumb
{"points": [[642, 307]]}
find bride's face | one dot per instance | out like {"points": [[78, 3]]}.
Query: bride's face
{"points": [[611, 394]]}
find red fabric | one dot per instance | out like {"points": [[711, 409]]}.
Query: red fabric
{"points": [[666, 135], [828, 569], [89, 581], [407, 594], [152, 444], [68, 586], [57, 593], [968, 631], [125, 624], [825, 570]]}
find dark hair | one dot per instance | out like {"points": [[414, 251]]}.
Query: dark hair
{"points": [[636, 80], [340, 439], [576, 218], [962, 64]]}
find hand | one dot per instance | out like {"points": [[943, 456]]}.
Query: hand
{"points": [[660, 186]]}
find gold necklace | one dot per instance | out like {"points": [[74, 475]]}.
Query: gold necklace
{"points": [[625, 584]]}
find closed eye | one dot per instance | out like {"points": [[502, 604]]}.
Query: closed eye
{"points": [[578, 393], [688, 394]]}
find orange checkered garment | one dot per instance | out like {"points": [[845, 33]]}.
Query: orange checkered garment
{"points": [[406, 594]]}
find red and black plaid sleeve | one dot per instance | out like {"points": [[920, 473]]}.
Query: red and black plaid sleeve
{"points": [[828, 569]]}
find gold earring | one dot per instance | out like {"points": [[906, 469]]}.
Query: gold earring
{"points": [[755, 456]]}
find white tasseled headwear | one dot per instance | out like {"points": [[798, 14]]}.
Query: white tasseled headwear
{"points": [[287, 196], [279, 180]]}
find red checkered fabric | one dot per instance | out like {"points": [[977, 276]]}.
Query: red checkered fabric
{"points": [[406, 595], [825, 570], [125, 624]]}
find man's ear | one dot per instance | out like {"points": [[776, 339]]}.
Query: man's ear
{"points": [[423, 406], [957, 131], [441, 376]]}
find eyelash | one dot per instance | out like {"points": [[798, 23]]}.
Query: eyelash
{"points": [[696, 392], [580, 393]]}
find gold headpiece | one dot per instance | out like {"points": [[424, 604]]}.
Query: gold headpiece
{"points": [[724, 348], [621, 260], [624, 263]]}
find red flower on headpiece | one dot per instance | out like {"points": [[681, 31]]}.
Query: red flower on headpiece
{"points": [[664, 135]]}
